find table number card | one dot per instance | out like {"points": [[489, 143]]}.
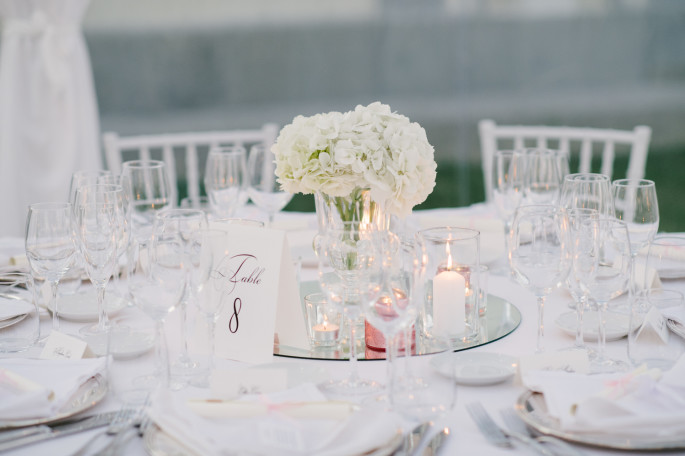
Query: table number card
{"points": [[260, 295]]}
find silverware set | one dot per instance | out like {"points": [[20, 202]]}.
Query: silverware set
{"points": [[517, 431], [411, 443]]}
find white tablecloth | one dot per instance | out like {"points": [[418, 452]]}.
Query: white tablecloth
{"points": [[465, 438]]}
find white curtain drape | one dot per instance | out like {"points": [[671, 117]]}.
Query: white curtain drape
{"points": [[48, 114]]}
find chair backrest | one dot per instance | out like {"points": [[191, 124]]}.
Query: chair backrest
{"points": [[569, 139], [165, 146]]}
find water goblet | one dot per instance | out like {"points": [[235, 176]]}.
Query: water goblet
{"points": [[347, 258], [540, 253], [264, 189], [226, 179], [603, 271], [50, 247]]}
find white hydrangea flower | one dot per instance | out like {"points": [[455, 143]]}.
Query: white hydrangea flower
{"points": [[369, 147]]}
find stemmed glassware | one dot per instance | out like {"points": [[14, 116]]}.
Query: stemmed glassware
{"points": [[207, 246], [543, 176], [226, 179], [508, 185], [540, 253], [180, 225], [156, 292], [636, 204], [50, 246], [348, 257], [264, 189], [603, 271], [149, 193], [98, 217], [584, 195]]}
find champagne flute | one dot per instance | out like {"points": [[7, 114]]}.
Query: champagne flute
{"points": [[98, 215], [347, 258], [180, 225], [603, 271], [208, 246], [636, 204], [264, 189], [50, 246], [226, 179], [543, 176], [540, 253], [509, 180]]}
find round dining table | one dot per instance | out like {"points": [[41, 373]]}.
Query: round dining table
{"points": [[464, 437]]}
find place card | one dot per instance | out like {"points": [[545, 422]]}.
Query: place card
{"points": [[229, 384], [62, 346], [258, 285], [568, 361]]}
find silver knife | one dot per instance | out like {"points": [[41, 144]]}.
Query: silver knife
{"points": [[85, 424], [436, 442]]}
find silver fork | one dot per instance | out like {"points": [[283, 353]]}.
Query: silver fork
{"points": [[120, 422], [516, 424], [498, 436]]}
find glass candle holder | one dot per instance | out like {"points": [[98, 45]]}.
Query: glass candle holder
{"points": [[449, 272], [324, 321]]}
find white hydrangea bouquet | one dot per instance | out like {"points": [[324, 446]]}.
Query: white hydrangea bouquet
{"points": [[370, 148]]}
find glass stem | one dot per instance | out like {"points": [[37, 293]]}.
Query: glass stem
{"points": [[539, 347], [53, 304], [601, 338], [162, 358], [409, 376], [580, 310], [390, 356], [103, 321], [353, 377]]}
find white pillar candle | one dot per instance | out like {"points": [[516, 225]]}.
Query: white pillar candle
{"points": [[449, 310]]}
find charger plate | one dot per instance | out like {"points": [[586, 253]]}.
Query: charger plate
{"points": [[90, 393], [532, 409]]}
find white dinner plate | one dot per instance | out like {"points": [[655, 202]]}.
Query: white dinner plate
{"points": [[82, 306], [475, 368], [616, 328]]}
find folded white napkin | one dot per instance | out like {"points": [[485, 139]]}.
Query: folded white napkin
{"points": [[675, 317], [10, 308], [492, 246], [32, 388], [274, 432], [641, 403]]}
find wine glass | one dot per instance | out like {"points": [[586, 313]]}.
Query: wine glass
{"points": [[98, 218], [156, 293], [50, 246], [540, 253], [587, 191], [347, 257], [208, 246], [180, 225], [603, 271], [635, 203], [226, 179], [264, 189], [149, 193], [543, 176]]}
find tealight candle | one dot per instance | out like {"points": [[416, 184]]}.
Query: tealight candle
{"points": [[325, 332]]}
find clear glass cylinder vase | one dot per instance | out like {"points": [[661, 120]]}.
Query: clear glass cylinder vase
{"points": [[333, 211]]}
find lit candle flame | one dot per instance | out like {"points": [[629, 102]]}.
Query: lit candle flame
{"points": [[449, 256]]}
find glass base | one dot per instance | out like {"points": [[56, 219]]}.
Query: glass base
{"points": [[351, 388], [608, 366]]}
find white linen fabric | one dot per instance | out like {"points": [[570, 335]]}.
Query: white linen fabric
{"points": [[58, 380], [641, 403], [49, 124], [274, 433]]}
